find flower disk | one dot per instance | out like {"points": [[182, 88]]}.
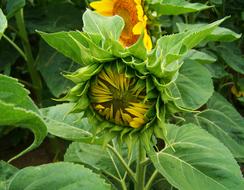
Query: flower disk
{"points": [[119, 98]]}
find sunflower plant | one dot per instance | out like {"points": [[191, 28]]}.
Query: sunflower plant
{"points": [[139, 103], [142, 109]]}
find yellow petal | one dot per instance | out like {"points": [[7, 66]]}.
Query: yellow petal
{"points": [[138, 28], [147, 41], [103, 6], [138, 2], [140, 12]]}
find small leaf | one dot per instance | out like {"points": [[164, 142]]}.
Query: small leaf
{"points": [[13, 6], [176, 7], [108, 27], [225, 123], [65, 176], [3, 23], [193, 87], [198, 161]]}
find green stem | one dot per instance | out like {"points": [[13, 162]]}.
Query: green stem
{"points": [[15, 46], [140, 168], [35, 77], [151, 180], [122, 161]]}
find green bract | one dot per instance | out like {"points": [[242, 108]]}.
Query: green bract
{"points": [[153, 87]]}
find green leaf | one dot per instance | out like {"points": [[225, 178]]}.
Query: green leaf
{"points": [[176, 7], [13, 6], [14, 93], [18, 110], [70, 126], [108, 27], [19, 117], [231, 58], [95, 156], [198, 161], [65, 176], [200, 57], [218, 34], [51, 65], [79, 47], [225, 123], [167, 57], [217, 70], [3, 23], [193, 86], [6, 173]]}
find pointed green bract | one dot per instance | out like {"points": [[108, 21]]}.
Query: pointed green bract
{"points": [[196, 163], [176, 7]]}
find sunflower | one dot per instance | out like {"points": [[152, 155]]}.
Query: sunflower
{"points": [[133, 15]]}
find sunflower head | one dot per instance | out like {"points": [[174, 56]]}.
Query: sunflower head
{"points": [[128, 93], [133, 15]]}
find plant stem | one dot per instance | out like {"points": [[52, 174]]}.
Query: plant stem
{"points": [[15, 46], [151, 180], [140, 168], [122, 161], [35, 77]]}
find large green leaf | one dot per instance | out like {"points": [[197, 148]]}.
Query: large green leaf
{"points": [[13, 92], [18, 110], [65, 176], [108, 27], [193, 86], [198, 161], [6, 173], [218, 34], [95, 156], [225, 123], [176, 7], [19, 117], [13, 6], [3, 23]]}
